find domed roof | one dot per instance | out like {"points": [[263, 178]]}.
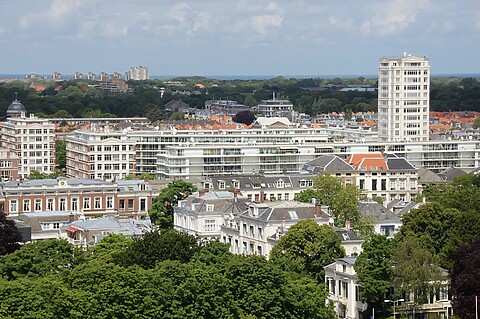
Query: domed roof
{"points": [[16, 108]]}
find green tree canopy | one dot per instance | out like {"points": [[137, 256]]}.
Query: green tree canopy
{"points": [[158, 246], [416, 270], [10, 237], [162, 207], [40, 258], [465, 280], [375, 273], [310, 246]]}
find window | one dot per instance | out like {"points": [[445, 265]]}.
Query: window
{"points": [[74, 204], [413, 184], [402, 184], [62, 204], [130, 204], [38, 204], [26, 205], [86, 203], [393, 185], [50, 204], [374, 184], [98, 203], [121, 204], [209, 224], [109, 202], [14, 205], [362, 184], [221, 185], [209, 208], [384, 184]]}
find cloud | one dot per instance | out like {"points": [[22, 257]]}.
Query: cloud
{"points": [[392, 16]]}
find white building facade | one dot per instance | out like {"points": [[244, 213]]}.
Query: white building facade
{"points": [[403, 99]]}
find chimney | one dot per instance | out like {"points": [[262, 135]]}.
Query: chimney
{"points": [[318, 210], [71, 218], [347, 225], [202, 192], [262, 196]]}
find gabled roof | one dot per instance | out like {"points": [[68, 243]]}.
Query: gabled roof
{"points": [[450, 173], [324, 163], [367, 162], [267, 121], [398, 163], [377, 211], [427, 176]]}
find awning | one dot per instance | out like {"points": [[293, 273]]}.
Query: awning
{"points": [[72, 229]]}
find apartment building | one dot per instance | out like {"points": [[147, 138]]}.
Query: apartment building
{"points": [[137, 73], [101, 154], [275, 108], [30, 139], [403, 99], [86, 197], [8, 165]]}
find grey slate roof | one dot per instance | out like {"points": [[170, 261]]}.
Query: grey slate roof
{"points": [[288, 210], [450, 173], [326, 163], [377, 211], [426, 176], [35, 219], [400, 207], [398, 163]]}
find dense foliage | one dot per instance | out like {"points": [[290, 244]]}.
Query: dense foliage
{"points": [[466, 280], [212, 283], [162, 207], [10, 237], [309, 246], [375, 272], [83, 99]]}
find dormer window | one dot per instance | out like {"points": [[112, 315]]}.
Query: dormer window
{"points": [[303, 183], [280, 183], [209, 207], [235, 184], [221, 184]]}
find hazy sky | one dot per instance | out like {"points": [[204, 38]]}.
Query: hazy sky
{"points": [[245, 37]]}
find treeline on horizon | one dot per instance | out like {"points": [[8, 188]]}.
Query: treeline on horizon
{"points": [[81, 98]]}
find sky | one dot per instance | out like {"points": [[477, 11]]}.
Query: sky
{"points": [[244, 37]]}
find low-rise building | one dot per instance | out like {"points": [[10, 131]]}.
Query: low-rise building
{"points": [[87, 197]]}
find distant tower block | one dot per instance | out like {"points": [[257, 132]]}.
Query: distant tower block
{"points": [[403, 99]]}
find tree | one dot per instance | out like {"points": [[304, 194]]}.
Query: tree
{"points": [[344, 204], [245, 117], [61, 154], [465, 280], [416, 270], [342, 200], [375, 273], [161, 212], [10, 237], [41, 258], [310, 246], [476, 123], [158, 246]]}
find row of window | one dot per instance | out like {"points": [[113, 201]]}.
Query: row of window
{"points": [[52, 204]]}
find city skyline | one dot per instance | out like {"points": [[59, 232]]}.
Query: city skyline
{"points": [[246, 37]]}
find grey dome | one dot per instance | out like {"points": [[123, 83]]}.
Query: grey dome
{"points": [[15, 109]]}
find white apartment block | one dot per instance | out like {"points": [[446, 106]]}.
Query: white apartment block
{"points": [[183, 153], [276, 108], [137, 73], [32, 140], [403, 99], [104, 155]]}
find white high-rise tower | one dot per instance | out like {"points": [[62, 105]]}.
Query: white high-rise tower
{"points": [[403, 98]]}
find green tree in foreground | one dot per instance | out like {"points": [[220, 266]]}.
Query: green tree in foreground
{"points": [[375, 272], [310, 246], [466, 280], [161, 212], [416, 270], [157, 246], [10, 237], [41, 258]]}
